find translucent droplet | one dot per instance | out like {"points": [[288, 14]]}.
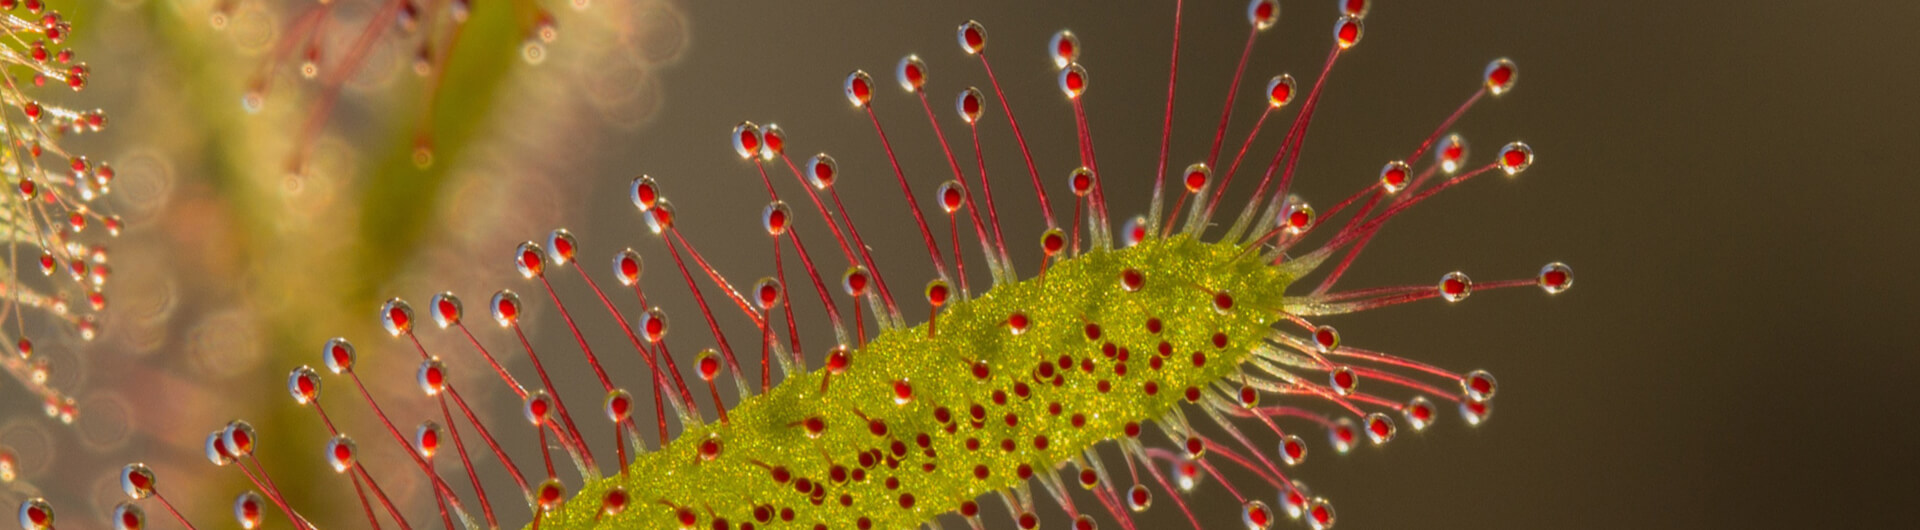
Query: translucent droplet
{"points": [[538, 407], [1134, 231], [1297, 217], [1476, 412], [616, 499], [775, 218], [338, 355], [340, 453], [1394, 176], [973, 37], [304, 384], [136, 480], [239, 438], [627, 267], [660, 218], [619, 406], [773, 141], [1280, 91], [969, 104], [1326, 339], [855, 281], [1073, 80], [859, 88], [505, 307], [127, 516], [1452, 154], [822, 170], [1186, 475], [1294, 500], [1053, 241], [1256, 515], [1501, 74], [432, 376], [426, 439], [396, 316], [767, 293], [911, 73], [1342, 435], [561, 246], [1080, 181], [950, 196], [1419, 413], [653, 324], [1479, 385], [1455, 286], [1343, 380], [645, 192], [1556, 277], [529, 259], [746, 140], [446, 309], [1515, 157], [9, 465], [216, 450], [1293, 450], [1138, 498], [1380, 428], [1347, 32], [1064, 48], [1196, 177], [249, 510], [1320, 514], [707, 362], [1263, 13], [36, 514], [938, 292]]}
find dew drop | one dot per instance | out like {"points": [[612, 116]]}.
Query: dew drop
{"points": [[340, 453], [822, 170], [1138, 498], [1556, 277], [1515, 157], [1132, 280], [1452, 154], [338, 355], [1294, 500], [136, 480], [973, 37], [1355, 8], [1080, 181], [1263, 13], [626, 267], [746, 140], [1073, 81], [1475, 412], [616, 499], [1280, 91], [911, 73], [248, 510], [1501, 75], [968, 103], [396, 316], [126, 516], [238, 437], [838, 359], [304, 384], [216, 450], [505, 307], [1064, 48], [1053, 241], [550, 494], [9, 465], [1017, 323], [773, 141], [446, 309], [859, 88], [1297, 217], [1343, 380], [708, 362], [1394, 176], [1455, 286], [1320, 514], [938, 292], [1134, 231], [1186, 475], [1197, 176]]}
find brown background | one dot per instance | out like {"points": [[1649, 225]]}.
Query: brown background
{"points": [[1727, 178]]}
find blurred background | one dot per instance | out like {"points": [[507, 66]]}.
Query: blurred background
{"points": [[1726, 178]]}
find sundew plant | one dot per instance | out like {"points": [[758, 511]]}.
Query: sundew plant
{"points": [[1144, 354]]}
